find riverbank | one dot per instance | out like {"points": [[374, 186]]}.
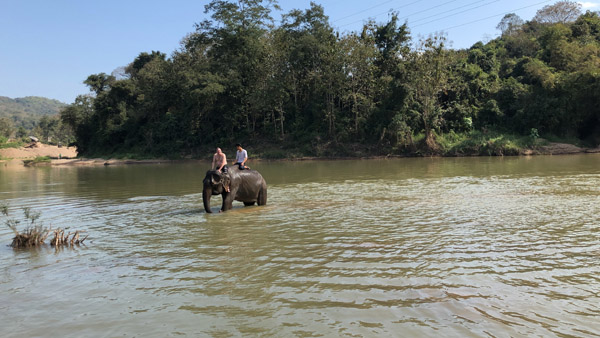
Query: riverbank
{"points": [[106, 162], [450, 146], [35, 150], [549, 148]]}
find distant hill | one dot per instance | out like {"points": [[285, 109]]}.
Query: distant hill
{"points": [[25, 111]]}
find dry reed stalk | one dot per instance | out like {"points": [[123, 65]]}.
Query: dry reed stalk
{"points": [[60, 239]]}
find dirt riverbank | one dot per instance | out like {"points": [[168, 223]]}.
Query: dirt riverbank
{"points": [[101, 161], [68, 156], [37, 150]]}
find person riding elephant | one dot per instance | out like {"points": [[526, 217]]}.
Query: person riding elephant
{"points": [[247, 186], [241, 156], [219, 163]]}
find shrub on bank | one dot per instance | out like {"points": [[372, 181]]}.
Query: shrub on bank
{"points": [[477, 143], [4, 143]]}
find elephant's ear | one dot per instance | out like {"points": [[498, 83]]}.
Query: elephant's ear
{"points": [[216, 178]]}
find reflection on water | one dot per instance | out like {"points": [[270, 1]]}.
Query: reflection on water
{"points": [[405, 247]]}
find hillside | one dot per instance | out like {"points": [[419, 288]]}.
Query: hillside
{"points": [[24, 111]]}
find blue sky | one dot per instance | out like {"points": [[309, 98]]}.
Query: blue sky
{"points": [[47, 48]]}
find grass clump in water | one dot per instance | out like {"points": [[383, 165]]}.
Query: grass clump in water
{"points": [[35, 234]]}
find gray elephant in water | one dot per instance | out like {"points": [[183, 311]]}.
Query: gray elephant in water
{"points": [[247, 186]]}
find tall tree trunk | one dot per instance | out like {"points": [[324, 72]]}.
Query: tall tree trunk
{"points": [[281, 120], [274, 121], [355, 114]]}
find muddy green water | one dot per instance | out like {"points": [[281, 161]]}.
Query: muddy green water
{"points": [[406, 247]]}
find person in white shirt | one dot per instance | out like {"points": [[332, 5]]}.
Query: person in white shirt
{"points": [[241, 156]]}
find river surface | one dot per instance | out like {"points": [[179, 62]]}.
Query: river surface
{"points": [[456, 247]]}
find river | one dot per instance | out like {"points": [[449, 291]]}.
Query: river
{"points": [[457, 247]]}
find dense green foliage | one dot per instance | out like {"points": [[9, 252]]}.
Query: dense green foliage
{"points": [[300, 87]]}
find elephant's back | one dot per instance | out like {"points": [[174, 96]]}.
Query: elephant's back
{"points": [[251, 183]]}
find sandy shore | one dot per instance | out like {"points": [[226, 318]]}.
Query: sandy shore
{"points": [[101, 161], [39, 149]]}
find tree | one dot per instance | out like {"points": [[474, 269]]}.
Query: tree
{"points": [[21, 132], [313, 71], [47, 125], [359, 55], [236, 53], [52, 130], [587, 26], [6, 127], [560, 12], [509, 24], [428, 69], [392, 42], [391, 39], [78, 116], [99, 83], [141, 60]]}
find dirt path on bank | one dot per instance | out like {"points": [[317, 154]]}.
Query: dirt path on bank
{"points": [[39, 149]]}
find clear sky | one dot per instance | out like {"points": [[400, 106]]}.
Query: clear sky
{"points": [[47, 48]]}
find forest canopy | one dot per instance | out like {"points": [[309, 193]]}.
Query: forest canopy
{"points": [[300, 85]]}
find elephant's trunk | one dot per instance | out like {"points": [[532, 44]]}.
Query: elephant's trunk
{"points": [[206, 194]]}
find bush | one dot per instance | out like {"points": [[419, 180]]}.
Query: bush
{"points": [[15, 144], [478, 143]]}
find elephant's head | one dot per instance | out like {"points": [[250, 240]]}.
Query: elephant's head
{"points": [[214, 184]]}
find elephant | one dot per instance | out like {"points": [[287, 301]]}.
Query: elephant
{"points": [[247, 186]]}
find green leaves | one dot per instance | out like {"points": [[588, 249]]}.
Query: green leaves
{"points": [[298, 83], [99, 83]]}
